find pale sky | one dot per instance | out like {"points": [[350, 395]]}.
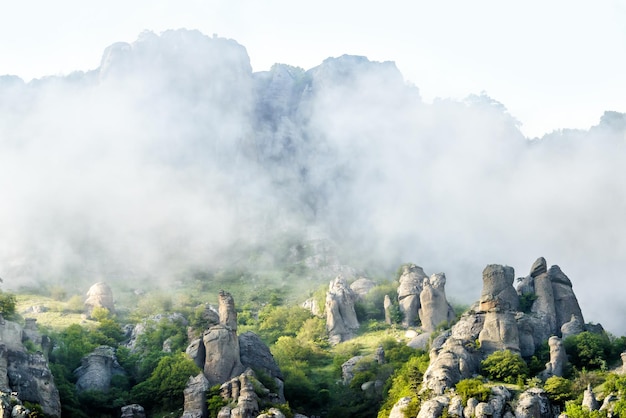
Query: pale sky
{"points": [[554, 64]]}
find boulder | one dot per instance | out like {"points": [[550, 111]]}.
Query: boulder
{"points": [[133, 411], [226, 310], [272, 413], [96, 370], [565, 302], [197, 352], [247, 402], [222, 359], [398, 409], [433, 408], [498, 400], [470, 408], [455, 408], [526, 325], [434, 307], [411, 285], [498, 291], [312, 305], [341, 321], [421, 341], [499, 332], [539, 267], [195, 405], [254, 354], [533, 403], [453, 361], [574, 327], [99, 295], [589, 399], [349, 368], [361, 287], [483, 410], [623, 357]]}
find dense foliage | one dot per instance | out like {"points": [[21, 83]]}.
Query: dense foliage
{"points": [[505, 366]]}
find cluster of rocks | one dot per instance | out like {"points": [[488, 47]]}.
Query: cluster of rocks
{"points": [[229, 360], [24, 374], [423, 298], [495, 323]]}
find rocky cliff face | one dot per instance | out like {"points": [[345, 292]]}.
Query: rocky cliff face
{"points": [[25, 373]]}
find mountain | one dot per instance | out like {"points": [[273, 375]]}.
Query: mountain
{"points": [[173, 155]]}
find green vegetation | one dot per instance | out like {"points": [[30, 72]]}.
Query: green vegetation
{"points": [[472, 388], [7, 305], [505, 366]]}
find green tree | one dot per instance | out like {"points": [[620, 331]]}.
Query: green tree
{"points": [[165, 385], [276, 321], [7, 304], [559, 389], [588, 350], [505, 366], [472, 388]]}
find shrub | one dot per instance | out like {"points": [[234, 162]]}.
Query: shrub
{"points": [[588, 350], [559, 389], [472, 388], [7, 304], [505, 366]]}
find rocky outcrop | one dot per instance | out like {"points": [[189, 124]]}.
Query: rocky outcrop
{"points": [[195, 405], [500, 332], [361, 287], [341, 321], [256, 355], [589, 399], [398, 409], [387, 308], [97, 369], [25, 373], [99, 295], [241, 390], [533, 403], [433, 408], [565, 303], [222, 358], [133, 411], [349, 368], [498, 291], [312, 305], [411, 285], [434, 307], [574, 327]]}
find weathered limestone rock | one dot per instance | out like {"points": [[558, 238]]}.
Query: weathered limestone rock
{"points": [[539, 267], [455, 409], [379, 355], [565, 302], [469, 326], [623, 357], [526, 330], [607, 403], [558, 358], [533, 403], [433, 408], [483, 410], [453, 361], [341, 321], [226, 309], [398, 409], [30, 376], [4, 365], [312, 305], [471, 407], [411, 284], [272, 413], [543, 307], [498, 399], [349, 368], [99, 296], [195, 397], [589, 399], [421, 341], [499, 332], [361, 287], [133, 411], [247, 402], [11, 335], [256, 355], [387, 309], [498, 291], [222, 359], [97, 369], [197, 352], [434, 307], [574, 327]]}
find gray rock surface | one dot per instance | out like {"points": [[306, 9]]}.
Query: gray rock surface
{"points": [[361, 287], [565, 302], [411, 285], [133, 411], [558, 358], [533, 403], [349, 368], [454, 361], [433, 408], [387, 308], [222, 359], [341, 320], [96, 370], [254, 354], [574, 327], [499, 332], [483, 410], [398, 409], [420, 341], [434, 307], [226, 310], [455, 408], [589, 399], [544, 308], [539, 267], [312, 305], [99, 295], [195, 405], [498, 291]]}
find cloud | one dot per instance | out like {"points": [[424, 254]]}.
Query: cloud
{"points": [[173, 153]]}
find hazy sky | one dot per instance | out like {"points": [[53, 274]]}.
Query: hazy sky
{"points": [[556, 64]]}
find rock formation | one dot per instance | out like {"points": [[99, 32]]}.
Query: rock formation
{"points": [[133, 411], [341, 321], [312, 305], [434, 307], [99, 296], [411, 285], [361, 287], [565, 303], [229, 360], [387, 309], [589, 399], [574, 327], [533, 403], [27, 374], [97, 369], [195, 405], [558, 358]]}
